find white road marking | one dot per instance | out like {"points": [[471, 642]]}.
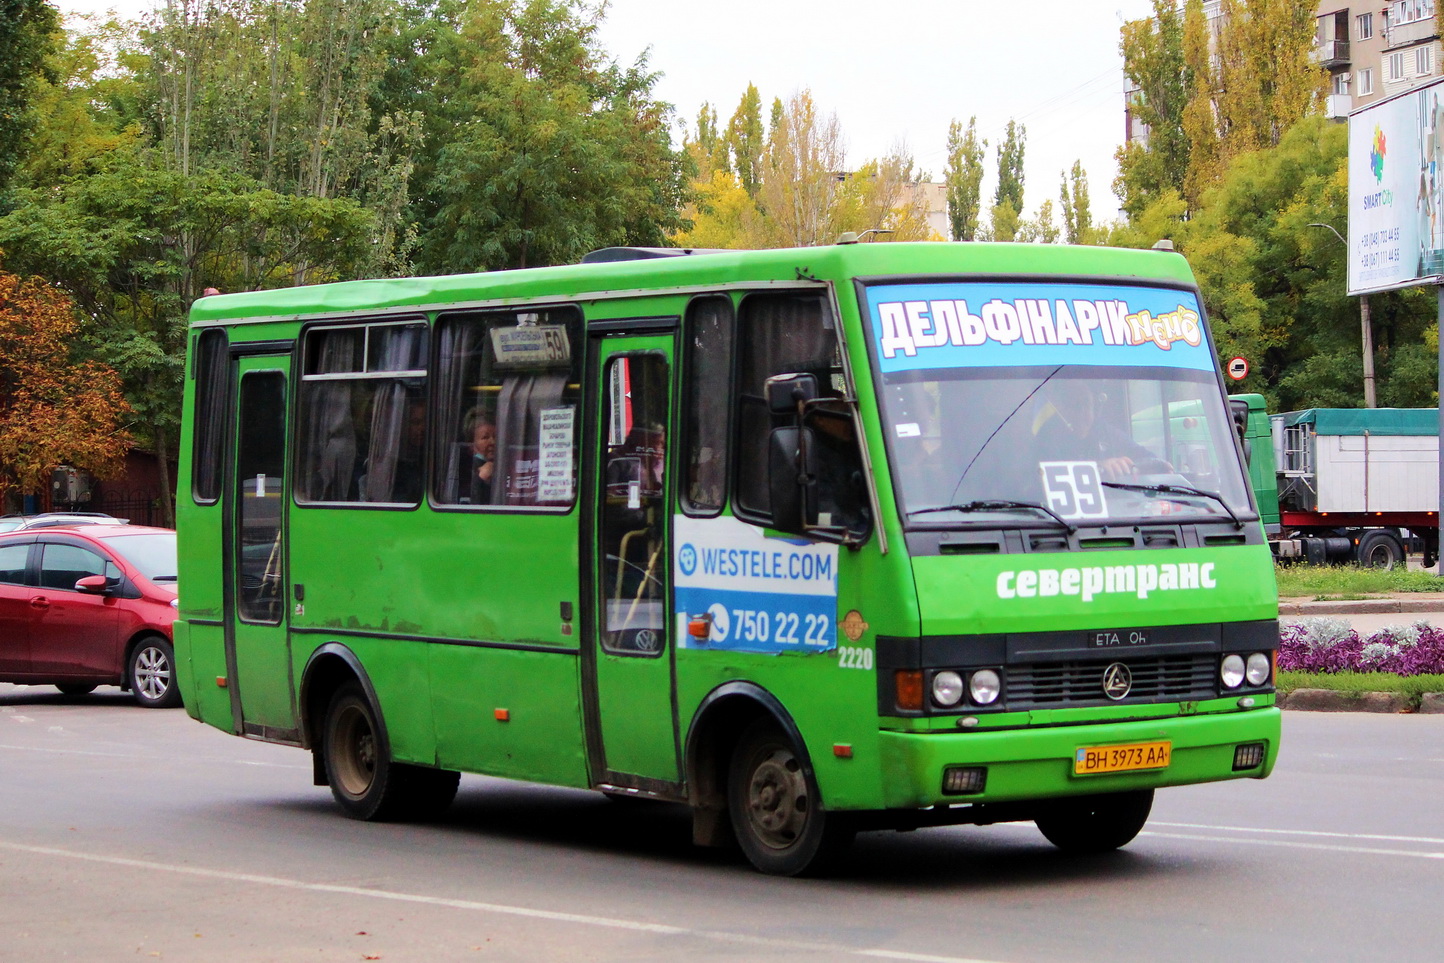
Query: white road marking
{"points": [[1318, 847], [1305, 832], [608, 922]]}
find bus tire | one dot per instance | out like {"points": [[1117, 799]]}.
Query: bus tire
{"points": [[1095, 824], [363, 780], [150, 670], [1380, 548], [776, 809]]}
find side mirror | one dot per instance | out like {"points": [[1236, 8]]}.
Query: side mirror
{"points": [[785, 392], [791, 477], [94, 584]]}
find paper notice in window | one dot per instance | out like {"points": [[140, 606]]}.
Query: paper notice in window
{"points": [[557, 426]]}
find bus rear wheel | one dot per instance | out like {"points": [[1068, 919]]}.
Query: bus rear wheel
{"points": [[776, 810], [364, 781], [1095, 824]]}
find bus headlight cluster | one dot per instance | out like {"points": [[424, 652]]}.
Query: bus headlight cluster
{"points": [[982, 688], [947, 688], [1234, 670]]}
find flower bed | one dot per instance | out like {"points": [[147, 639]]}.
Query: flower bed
{"points": [[1332, 645]]}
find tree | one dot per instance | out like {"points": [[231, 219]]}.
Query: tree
{"points": [[746, 140], [54, 410], [883, 195], [26, 29], [804, 165], [1041, 229], [110, 239], [1200, 127], [1077, 219], [1275, 286], [964, 179], [1153, 64], [1267, 77], [543, 148], [1010, 167]]}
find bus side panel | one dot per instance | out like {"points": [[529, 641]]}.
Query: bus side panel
{"points": [[397, 670], [509, 713], [831, 696], [201, 661], [419, 580]]}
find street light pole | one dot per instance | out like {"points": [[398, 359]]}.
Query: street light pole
{"points": [[1366, 323]]}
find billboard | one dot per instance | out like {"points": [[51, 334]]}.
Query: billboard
{"points": [[1396, 191]]}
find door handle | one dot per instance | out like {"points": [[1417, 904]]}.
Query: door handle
{"points": [[40, 602]]}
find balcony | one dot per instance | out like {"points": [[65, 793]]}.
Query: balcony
{"points": [[1403, 34], [1337, 106], [1330, 53]]}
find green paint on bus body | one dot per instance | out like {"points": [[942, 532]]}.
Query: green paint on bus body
{"points": [[474, 628]]}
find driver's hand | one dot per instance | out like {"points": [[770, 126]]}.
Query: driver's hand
{"points": [[1117, 469]]}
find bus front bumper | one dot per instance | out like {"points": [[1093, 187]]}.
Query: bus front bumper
{"points": [[1039, 763]]}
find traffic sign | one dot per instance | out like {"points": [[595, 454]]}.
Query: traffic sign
{"points": [[1238, 368]]}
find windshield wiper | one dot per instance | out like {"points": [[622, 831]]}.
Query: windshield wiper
{"points": [[162, 578], [1178, 490], [997, 504]]}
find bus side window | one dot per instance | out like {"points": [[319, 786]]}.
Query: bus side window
{"points": [[363, 414], [707, 387], [507, 395], [796, 334], [212, 407]]}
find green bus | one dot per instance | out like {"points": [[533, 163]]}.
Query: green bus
{"points": [[813, 541]]}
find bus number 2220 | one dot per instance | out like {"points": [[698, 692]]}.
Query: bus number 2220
{"points": [[755, 626]]}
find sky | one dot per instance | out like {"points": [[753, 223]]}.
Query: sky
{"points": [[893, 73]]}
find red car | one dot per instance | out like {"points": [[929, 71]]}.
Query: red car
{"points": [[90, 605]]}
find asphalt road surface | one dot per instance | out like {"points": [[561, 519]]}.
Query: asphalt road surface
{"points": [[139, 834]]}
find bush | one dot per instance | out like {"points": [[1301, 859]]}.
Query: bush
{"points": [[1332, 645]]}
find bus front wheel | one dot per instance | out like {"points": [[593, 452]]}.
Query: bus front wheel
{"points": [[364, 781], [776, 810], [1095, 824]]}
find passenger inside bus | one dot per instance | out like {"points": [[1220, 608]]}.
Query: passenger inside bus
{"points": [[477, 470]]}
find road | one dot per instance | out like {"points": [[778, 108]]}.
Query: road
{"points": [[140, 834]]}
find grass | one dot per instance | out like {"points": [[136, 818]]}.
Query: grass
{"points": [[1333, 582], [1414, 686]]}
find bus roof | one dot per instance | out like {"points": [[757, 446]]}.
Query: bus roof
{"points": [[827, 263]]}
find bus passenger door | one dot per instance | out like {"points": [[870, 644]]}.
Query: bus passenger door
{"points": [[258, 658], [631, 708]]}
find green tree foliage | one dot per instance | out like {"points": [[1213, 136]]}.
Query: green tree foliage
{"points": [[1077, 218], [964, 179], [1267, 77], [26, 29], [134, 245], [543, 149], [746, 140], [1010, 167], [1275, 286]]}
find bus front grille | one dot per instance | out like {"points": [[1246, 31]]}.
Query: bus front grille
{"points": [[1160, 679]]}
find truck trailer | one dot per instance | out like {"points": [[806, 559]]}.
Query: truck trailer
{"points": [[1344, 484]]}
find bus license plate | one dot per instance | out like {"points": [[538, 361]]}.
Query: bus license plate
{"points": [[1139, 755]]}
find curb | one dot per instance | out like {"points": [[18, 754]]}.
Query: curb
{"points": [[1331, 700], [1361, 606]]}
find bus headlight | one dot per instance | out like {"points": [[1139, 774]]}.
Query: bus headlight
{"points": [[984, 687], [1231, 673], [1258, 669], [947, 688]]}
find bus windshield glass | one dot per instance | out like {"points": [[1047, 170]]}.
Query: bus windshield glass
{"points": [[1009, 403]]}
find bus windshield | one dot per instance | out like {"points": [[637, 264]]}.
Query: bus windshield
{"points": [[1052, 404]]}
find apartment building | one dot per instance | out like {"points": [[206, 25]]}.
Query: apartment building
{"points": [[1375, 50]]}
